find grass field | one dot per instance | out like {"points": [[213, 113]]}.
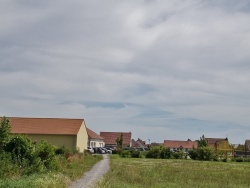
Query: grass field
{"points": [[162, 173]]}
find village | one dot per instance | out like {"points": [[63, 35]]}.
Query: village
{"points": [[74, 134]]}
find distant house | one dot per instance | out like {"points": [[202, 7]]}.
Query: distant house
{"points": [[177, 145], [111, 137], [70, 133], [95, 140], [247, 145], [221, 145], [138, 143]]}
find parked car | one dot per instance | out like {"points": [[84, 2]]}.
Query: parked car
{"points": [[91, 149], [99, 150], [108, 150]]}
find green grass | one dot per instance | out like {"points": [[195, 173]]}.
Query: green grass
{"points": [[162, 173], [69, 170]]}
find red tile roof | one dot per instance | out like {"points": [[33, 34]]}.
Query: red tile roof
{"points": [[61, 126], [110, 137], [92, 134], [178, 144]]}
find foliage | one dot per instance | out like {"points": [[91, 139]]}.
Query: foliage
{"points": [[202, 153], [119, 141], [46, 152], [202, 142], [154, 152], [21, 149], [63, 151], [166, 153], [135, 154], [4, 132], [125, 153]]}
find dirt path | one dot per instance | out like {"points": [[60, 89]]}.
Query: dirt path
{"points": [[89, 179]]}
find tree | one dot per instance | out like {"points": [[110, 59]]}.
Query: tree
{"points": [[4, 132], [202, 142], [119, 141]]}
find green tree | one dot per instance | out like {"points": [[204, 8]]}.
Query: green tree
{"points": [[202, 142], [119, 141], [5, 129]]}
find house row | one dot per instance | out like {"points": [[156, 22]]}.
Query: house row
{"points": [[71, 133], [74, 134]]}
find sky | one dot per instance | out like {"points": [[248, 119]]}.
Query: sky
{"points": [[164, 70]]}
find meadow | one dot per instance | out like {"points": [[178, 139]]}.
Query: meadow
{"points": [[163, 173]]}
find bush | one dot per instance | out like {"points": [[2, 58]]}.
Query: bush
{"points": [[8, 168], [205, 153], [135, 154], [46, 152], [166, 153], [125, 154], [21, 149], [154, 152], [62, 151]]}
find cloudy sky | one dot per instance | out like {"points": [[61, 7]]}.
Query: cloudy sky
{"points": [[160, 69]]}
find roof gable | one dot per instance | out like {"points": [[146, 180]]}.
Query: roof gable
{"points": [[110, 137], [60, 126], [93, 135]]}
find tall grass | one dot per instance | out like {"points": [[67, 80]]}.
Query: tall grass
{"points": [[162, 173], [68, 170]]}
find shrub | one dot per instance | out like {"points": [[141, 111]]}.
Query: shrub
{"points": [[135, 154], [154, 152], [46, 152], [21, 149], [166, 153], [62, 151], [205, 153], [125, 153]]}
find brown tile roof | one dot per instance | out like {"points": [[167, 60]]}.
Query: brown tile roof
{"points": [[212, 141], [61, 126], [178, 144], [92, 134], [110, 137], [138, 143]]}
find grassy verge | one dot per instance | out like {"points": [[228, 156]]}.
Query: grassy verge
{"points": [[161, 173], [69, 170]]}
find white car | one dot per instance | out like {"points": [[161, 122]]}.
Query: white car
{"points": [[90, 149]]}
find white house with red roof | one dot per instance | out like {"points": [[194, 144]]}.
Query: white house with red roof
{"points": [[94, 140]]}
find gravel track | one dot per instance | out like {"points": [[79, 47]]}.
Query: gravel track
{"points": [[91, 177]]}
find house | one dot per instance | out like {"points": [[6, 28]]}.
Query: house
{"points": [[138, 143], [177, 145], [247, 145], [111, 137], [94, 140], [221, 145], [70, 133]]}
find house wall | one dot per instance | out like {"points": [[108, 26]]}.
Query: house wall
{"points": [[96, 143], [82, 138], [69, 141]]}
